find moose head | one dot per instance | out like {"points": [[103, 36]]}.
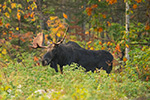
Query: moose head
{"points": [[51, 52]]}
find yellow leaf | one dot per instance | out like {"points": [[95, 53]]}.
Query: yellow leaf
{"points": [[32, 14], [108, 43], [127, 45], [13, 5], [9, 10], [91, 48], [0, 55], [19, 5], [58, 34], [4, 51], [52, 18], [17, 28], [0, 5], [4, 6], [33, 19], [65, 16], [7, 14]]}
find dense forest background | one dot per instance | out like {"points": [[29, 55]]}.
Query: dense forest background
{"points": [[94, 24]]}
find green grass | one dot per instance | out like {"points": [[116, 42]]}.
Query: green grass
{"points": [[19, 83]]}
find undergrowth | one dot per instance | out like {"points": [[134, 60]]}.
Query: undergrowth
{"points": [[19, 82]]}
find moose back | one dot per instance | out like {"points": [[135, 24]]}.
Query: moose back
{"points": [[63, 54]]}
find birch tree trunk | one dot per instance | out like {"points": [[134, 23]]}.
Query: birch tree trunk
{"points": [[127, 30]]}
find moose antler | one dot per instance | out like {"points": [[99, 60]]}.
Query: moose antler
{"points": [[63, 37], [38, 41]]}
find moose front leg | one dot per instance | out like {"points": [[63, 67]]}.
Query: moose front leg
{"points": [[54, 65], [61, 69]]}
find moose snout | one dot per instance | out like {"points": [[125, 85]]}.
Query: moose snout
{"points": [[44, 62]]}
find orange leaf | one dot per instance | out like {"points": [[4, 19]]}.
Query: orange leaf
{"points": [[89, 11], [23, 40], [102, 48], [100, 43], [94, 6], [7, 25], [138, 1], [18, 16], [26, 16], [100, 29], [147, 78], [32, 14], [124, 59], [109, 24], [10, 38], [87, 32], [134, 6], [118, 47], [147, 27], [89, 42], [65, 16], [10, 32], [1, 23], [36, 58], [104, 16], [4, 33]]}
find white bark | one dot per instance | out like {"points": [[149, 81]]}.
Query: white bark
{"points": [[127, 29]]}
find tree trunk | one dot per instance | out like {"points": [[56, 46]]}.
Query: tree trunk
{"points": [[127, 30]]}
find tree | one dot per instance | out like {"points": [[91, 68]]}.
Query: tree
{"points": [[127, 29]]}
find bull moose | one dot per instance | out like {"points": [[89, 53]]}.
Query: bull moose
{"points": [[63, 54]]}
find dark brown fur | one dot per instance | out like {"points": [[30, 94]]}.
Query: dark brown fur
{"points": [[70, 52]]}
